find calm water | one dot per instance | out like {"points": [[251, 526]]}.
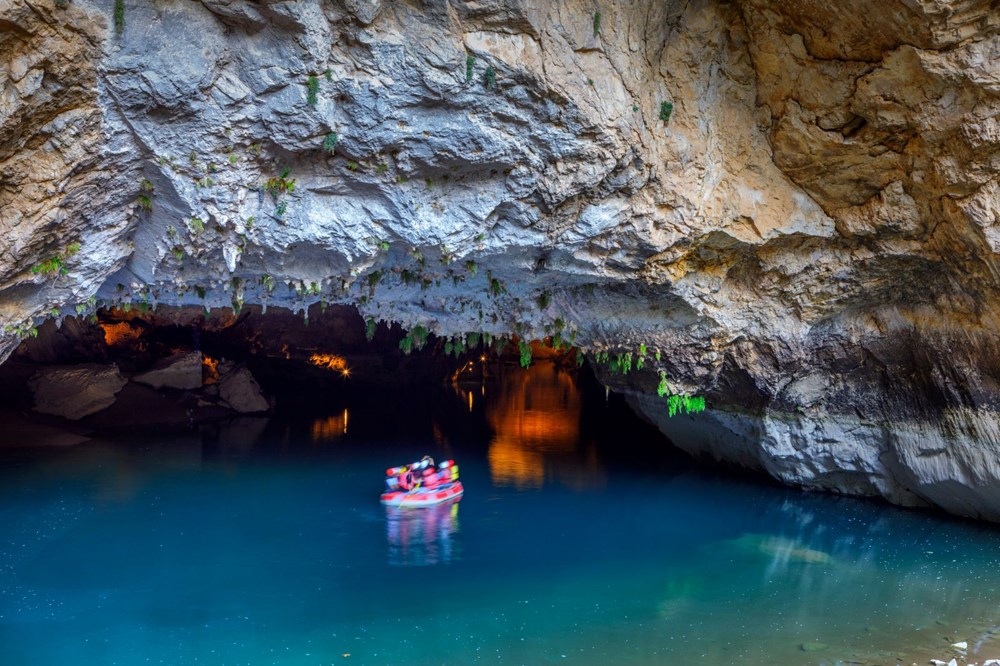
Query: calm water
{"points": [[580, 540]]}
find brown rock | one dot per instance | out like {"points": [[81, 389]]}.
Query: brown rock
{"points": [[181, 371], [240, 390], [76, 391]]}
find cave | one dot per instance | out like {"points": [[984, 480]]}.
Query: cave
{"points": [[482, 332]]}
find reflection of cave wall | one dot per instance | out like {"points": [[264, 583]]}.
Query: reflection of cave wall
{"points": [[536, 424]]}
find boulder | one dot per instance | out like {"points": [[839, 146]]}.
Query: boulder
{"points": [[76, 391], [180, 371], [240, 390]]}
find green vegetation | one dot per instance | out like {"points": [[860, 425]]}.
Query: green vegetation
{"points": [[381, 168], [22, 331], [50, 266], [328, 74], [279, 185], [178, 252], [280, 209], [145, 203], [490, 78], [330, 143], [416, 338], [205, 182], [524, 350], [56, 264], [119, 16], [312, 91], [689, 404], [470, 266], [352, 166], [597, 22], [470, 63], [666, 108], [370, 326], [267, 281], [197, 225]]}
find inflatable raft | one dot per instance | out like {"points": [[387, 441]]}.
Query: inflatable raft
{"points": [[421, 484], [423, 496]]}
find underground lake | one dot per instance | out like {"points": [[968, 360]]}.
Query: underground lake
{"points": [[583, 537]]}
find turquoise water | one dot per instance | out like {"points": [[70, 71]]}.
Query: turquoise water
{"points": [[580, 540]]}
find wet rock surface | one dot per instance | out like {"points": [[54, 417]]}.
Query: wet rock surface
{"points": [[795, 205]]}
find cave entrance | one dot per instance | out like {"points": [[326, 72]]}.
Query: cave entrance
{"points": [[256, 379]]}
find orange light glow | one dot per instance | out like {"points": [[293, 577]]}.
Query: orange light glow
{"points": [[209, 370], [331, 362], [119, 334], [535, 418], [330, 428]]}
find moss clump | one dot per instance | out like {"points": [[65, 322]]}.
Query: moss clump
{"points": [[119, 17], [666, 108], [312, 91]]}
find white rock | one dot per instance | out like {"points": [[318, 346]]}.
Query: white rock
{"points": [[961, 645]]}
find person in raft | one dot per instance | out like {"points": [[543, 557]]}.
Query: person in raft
{"points": [[421, 474]]}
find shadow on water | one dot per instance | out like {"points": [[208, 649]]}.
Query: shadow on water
{"points": [[581, 533]]}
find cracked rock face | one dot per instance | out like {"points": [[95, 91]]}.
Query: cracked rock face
{"points": [[796, 204]]}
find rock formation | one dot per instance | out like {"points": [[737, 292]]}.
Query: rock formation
{"points": [[796, 205], [76, 391]]}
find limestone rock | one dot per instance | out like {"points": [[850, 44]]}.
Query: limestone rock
{"points": [[239, 390], [181, 371], [76, 391]]}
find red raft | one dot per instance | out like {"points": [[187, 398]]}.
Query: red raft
{"points": [[421, 484]]}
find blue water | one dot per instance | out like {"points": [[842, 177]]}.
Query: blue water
{"points": [[580, 540]]}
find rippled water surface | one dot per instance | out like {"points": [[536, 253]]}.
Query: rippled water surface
{"points": [[580, 540]]}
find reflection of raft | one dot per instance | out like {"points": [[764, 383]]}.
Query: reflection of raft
{"points": [[423, 496]]}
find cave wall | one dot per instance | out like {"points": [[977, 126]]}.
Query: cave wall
{"points": [[810, 239]]}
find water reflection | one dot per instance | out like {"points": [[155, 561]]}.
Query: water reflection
{"points": [[330, 428], [421, 537], [535, 417]]}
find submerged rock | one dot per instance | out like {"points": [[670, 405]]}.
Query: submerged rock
{"points": [[76, 391]]}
